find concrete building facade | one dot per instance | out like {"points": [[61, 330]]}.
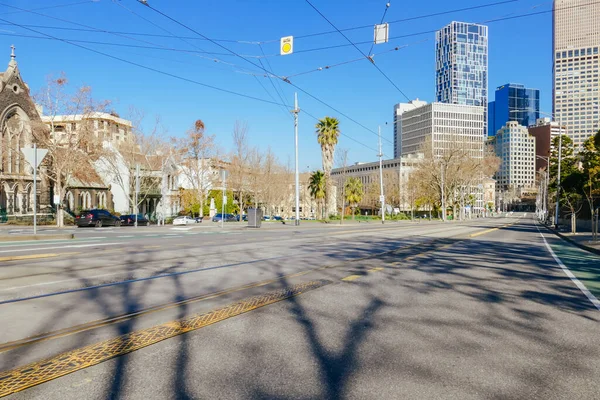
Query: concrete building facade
{"points": [[516, 149], [443, 124], [399, 109], [105, 126], [576, 89]]}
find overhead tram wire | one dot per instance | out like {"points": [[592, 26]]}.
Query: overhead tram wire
{"points": [[258, 66], [360, 51], [500, 19], [199, 48], [271, 68], [53, 6], [402, 20], [188, 80], [93, 29]]}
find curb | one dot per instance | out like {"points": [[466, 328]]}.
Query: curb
{"points": [[574, 242], [22, 238]]}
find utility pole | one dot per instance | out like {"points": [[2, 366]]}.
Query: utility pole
{"points": [[400, 185], [137, 190], [381, 197], [224, 199], [295, 111], [558, 178]]}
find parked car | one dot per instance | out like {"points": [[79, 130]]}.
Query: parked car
{"points": [[97, 218], [198, 220], [129, 220], [277, 218], [184, 220], [228, 218], [266, 218]]}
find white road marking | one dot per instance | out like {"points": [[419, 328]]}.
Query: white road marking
{"points": [[61, 281], [568, 272], [72, 246], [97, 237], [125, 236]]}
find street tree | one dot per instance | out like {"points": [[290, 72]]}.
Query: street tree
{"points": [[316, 186], [197, 153], [591, 170], [70, 146], [239, 163], [354, 193], [328, 132]]}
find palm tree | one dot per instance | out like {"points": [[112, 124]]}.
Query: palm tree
{"points": [[354, 193], [316, 185], [328, 131]]}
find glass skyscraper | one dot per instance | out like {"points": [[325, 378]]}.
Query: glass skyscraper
{"points": [[513, 102], [462, 64]]}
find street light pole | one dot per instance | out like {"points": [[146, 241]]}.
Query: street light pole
{"points": [[295, 111], [381, 197]]}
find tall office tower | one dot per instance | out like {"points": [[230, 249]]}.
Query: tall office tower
{"points": [[576, 38], [513, 102], [462, 64], [399, 109]]}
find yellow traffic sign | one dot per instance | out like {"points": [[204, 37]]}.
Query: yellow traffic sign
{"points": [[286, 45]]}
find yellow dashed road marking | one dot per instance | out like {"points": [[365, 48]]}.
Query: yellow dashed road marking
{"points": [[351, 278]]}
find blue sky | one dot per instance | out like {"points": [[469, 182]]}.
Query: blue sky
{"points": [[519, 52]]}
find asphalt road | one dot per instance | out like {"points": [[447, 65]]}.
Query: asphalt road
{"points": [[480, 309]]}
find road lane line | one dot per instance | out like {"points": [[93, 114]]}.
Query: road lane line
{"points": [[34, 256], [63, 364], [375, 269], [125, 236], [61, 247], [568, 272], [351, 278]]}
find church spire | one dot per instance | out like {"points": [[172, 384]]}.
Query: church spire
{"points": [[13, 61]]}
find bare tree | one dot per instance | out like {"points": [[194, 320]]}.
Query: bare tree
{"points": [[239, 162], [67, 132], [198, 154], [146, 151]]}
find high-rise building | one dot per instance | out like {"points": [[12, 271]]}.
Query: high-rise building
{"points": [[544, 131], [441, 123], [462, 64], [399, 109], [516, 149], [513, 102], [576, 91]]}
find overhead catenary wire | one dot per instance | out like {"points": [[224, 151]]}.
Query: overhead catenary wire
{"points": [[188, 80], [471, 8], [260, 67], [360, 51], [489, 21], [195, 46], [53, 6]]}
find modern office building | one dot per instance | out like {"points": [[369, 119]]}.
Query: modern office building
{"points": [[576, 91], [462, 64], [513, 102], [543, 131], [442, 124], [399, 109], [516, 149]]}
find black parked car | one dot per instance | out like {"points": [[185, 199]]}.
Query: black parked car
{"points": [[129, 220], [96, 218]]}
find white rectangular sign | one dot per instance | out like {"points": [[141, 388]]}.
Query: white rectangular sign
{"points": [[381, 33]]}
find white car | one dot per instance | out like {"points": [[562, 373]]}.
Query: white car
{"points": [[184, 220]]}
